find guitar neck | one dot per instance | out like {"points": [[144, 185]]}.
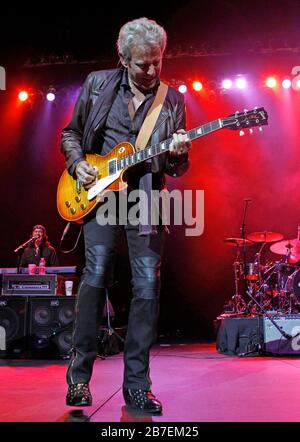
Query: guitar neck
{"points": [[163, 146]]}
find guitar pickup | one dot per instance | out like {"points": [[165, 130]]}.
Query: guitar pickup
{"points": [[112, 167]]}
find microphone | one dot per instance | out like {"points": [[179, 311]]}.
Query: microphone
{"points": [[22, 246]]}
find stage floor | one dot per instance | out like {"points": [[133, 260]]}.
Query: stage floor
{"points": [[193, 381]]}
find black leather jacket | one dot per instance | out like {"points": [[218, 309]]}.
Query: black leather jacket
{"points": [[93, 104]]}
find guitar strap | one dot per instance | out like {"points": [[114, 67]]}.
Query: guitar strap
{"points": [[151, 117]]}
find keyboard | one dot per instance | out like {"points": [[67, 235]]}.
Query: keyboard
{"points": [[49, 270]]}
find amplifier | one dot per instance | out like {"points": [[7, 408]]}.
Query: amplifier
{"points": [[29, 284], [275, 342]]}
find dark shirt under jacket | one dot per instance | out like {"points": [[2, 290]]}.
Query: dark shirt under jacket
{"points": [[120, 127], [32, 256]]}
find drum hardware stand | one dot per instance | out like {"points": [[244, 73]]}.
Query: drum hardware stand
{"points": [[286, 285], [262, 282], [286, 335], [238, 302], [261, 308], [280, 329], [247, 201], [282, 286], [257, 262]]}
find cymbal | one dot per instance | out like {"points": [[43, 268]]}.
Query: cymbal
{"points": [[264, 236], [282, 248], [238, 242]]}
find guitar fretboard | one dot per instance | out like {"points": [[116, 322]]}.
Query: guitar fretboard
{"points": [[163, 146]]}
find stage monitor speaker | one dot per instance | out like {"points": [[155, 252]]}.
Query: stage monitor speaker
{"points": [[13, 319], [277, 344], [51, 322]]}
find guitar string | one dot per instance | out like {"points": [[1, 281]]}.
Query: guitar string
{"points": [[167, 141], [225, 123]]}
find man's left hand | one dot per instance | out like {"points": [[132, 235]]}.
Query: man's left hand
{"points": [[180, 143]]}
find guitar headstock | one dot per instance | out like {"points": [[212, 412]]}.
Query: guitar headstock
{"points": [[246, 119]]}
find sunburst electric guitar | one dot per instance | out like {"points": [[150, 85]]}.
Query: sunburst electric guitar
{"points": [[74, 202]]}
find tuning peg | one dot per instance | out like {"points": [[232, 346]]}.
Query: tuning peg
{"points": [[242, 133], [237, 112], [251, 131], [260, 129], [245, 110]]}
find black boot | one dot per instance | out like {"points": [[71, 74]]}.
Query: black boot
{"points": [[79, 395], [142, 401]]}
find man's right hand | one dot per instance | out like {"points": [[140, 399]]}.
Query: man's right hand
{"points": [[86, 173]]}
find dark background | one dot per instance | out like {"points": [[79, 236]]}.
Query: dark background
{"points": [[59, 46]]}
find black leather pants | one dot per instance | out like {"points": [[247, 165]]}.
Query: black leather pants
{"points": [[142, 322], [89, 308], [101, 243]]}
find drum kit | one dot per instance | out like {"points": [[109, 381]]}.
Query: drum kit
{"points": [[272, 286]]}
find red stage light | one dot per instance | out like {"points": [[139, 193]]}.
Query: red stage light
{"points": [[197, 86], [23, 96], [271, 82]]}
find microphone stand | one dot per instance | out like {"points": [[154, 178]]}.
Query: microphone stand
{"points": [[20, 250], [258, 268], [243, 236], [20, 254], [25, 244]]}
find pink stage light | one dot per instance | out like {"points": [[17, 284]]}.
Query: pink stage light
{"points": [[241, 83], [50, 96], [286, 83], [182, 88], [227, 84]]}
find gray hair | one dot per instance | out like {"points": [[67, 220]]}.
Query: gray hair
{"points": [[140, 31]]}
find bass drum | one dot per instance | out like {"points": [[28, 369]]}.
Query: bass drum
{"points": [[293, 284]]}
